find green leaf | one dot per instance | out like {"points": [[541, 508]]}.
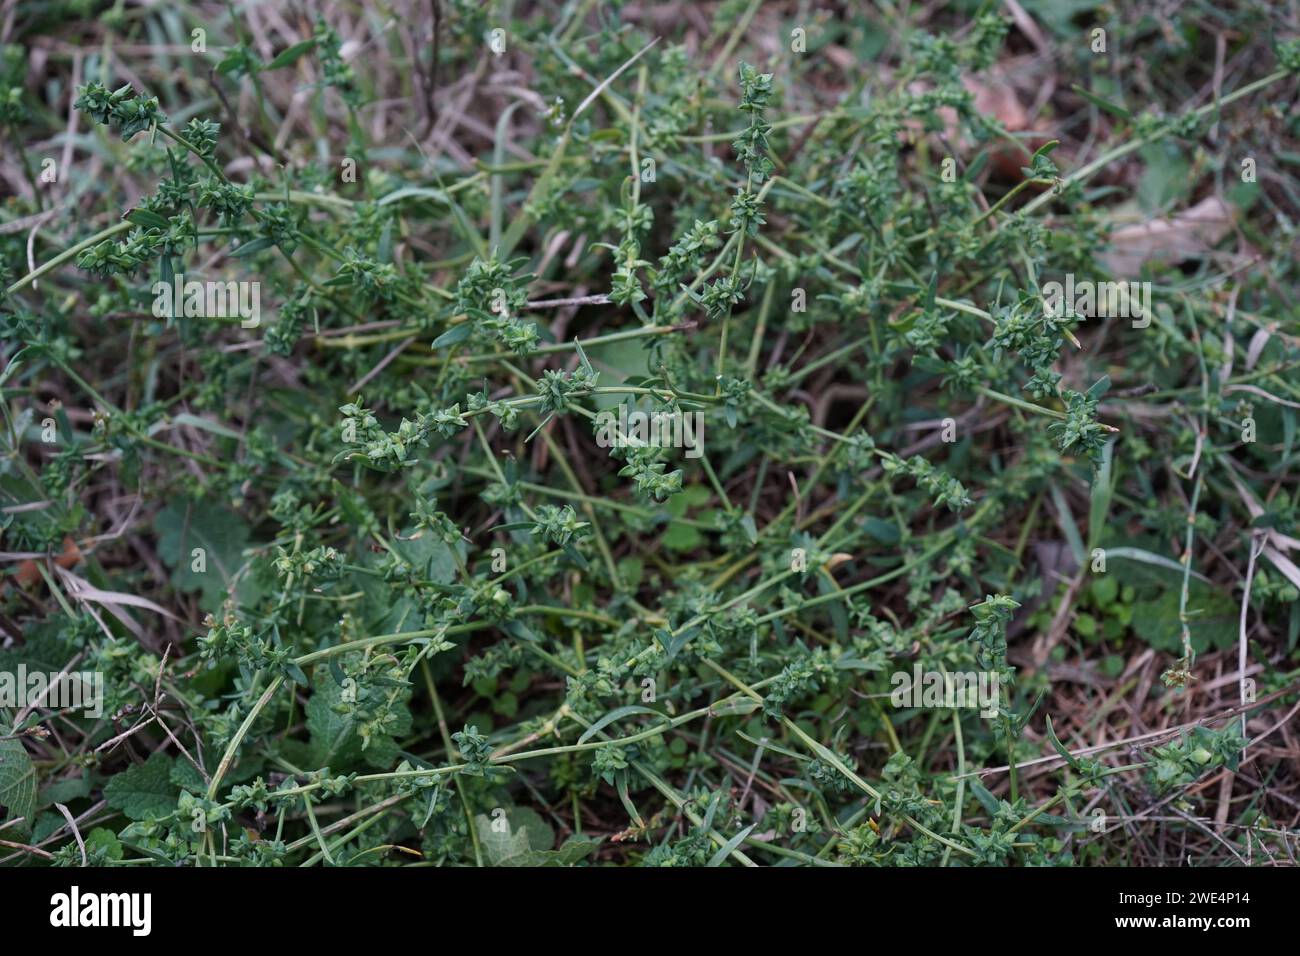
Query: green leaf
{"points": [[1100, 101], [1166, 179], [1059, 747], [1046, 149], [457, 333], [47, 822], [17, 783], [14, 364], [102, 837], [573, 850], [725, 850], [613, 715], [982, 794], [44, 651], [672, 644], [145, 791], [714, 803], [292, 54], [738, 707], [65, 791], [976, 166], [1212, 619], [1102, 490], [335, 739], [146, 219], [1147, 557], [432, 557], [221, 534], [186, 776], [516, 526], [417, 192], [512, 835], [572, 553], [1068, 527], [166, 274], [253, 246], [681, 537], [207, 424]]}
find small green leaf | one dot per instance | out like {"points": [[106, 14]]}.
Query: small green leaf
{"points": [[14, 364], [457, 333], [292, 54], [1059, 747], [612, 716], [1110, 107], [146, 219], [672, 644], [986, 799], [252, 246], [725, 850]]}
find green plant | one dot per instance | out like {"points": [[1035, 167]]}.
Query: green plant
{"points": [[301, 551]]}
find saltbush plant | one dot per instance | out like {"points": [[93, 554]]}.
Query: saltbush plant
{"points": [[368, 575]]}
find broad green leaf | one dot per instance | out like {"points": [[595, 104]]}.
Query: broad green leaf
{"points": [[186, 776], [573, 850], [335, 738], [430, 555], [107, 839], [17, 781], [681, 537], [145, 791], [1165, 180], [512, 834], [1213, 618], [219, 532], [64, 791]]}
